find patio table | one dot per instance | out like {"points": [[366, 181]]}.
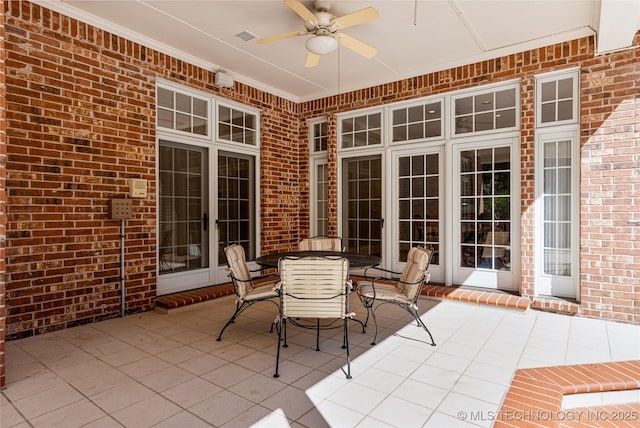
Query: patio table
{"points": [[356, 260]]}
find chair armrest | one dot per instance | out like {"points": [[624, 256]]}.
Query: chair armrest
{"points": [[265, 276], [379, 269]]}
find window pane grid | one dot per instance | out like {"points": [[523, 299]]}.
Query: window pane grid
{"points": [[556, 100], [237, 125], [417, 122], [181, 207], [485, 112], [322, 202], [364, 206], [557, 209], [182, 112], [319, 137], [418, 216], [361, 131], [235, 204], [485, 211]]}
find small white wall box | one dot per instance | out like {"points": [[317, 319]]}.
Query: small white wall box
{"points": [[224, 80], [137, 188]]}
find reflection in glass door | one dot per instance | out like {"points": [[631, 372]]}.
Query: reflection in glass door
{"points": [[236, 203], [183, 201], [485, 218], [362, 195]]}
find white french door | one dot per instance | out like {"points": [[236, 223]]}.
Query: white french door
{"points": [[189, 255], [486, 218], [183, 207], [417, 191], [235, 206], [362, 216]]}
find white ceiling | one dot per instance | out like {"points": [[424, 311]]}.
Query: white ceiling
{"points": [[412, 37]]}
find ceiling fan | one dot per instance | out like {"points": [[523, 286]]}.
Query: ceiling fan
{"points": [[326, 30]]}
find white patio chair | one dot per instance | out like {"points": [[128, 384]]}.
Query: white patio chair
{"points": [[314, 287], [402, 291], [249, 289], [321, 243]]}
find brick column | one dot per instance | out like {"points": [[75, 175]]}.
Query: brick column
{"points": [[3, 198]]}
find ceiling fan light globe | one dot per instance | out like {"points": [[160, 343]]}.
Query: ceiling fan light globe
{"points": [[321, 45]]}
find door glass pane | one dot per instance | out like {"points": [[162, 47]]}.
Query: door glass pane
{"points": [[419, 205], [236, 203], [557, 208], [183, 239], [322, 199], [485, 208], [363, 219]]}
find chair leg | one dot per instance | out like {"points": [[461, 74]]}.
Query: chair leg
{"points": [[375, 323], [346, 339], [284, 327], [239, 308], [367, 306], [415, 314], [279, 328], [317, 334]]}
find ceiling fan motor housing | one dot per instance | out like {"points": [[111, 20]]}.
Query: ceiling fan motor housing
{"points": [[322, 5]]}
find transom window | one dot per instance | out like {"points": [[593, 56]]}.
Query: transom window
{"points": [[417, 122], [485, 111], [237, 125], [318, 135], [360, 131], [182, 112], [556, 100]]}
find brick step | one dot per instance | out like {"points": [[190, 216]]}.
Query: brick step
{"points": [[169, 302]]}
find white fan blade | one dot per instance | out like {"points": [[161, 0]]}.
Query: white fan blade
{"points": [[312, 60], [356, 45], [358, 17], [301, 10], [280, 37]]}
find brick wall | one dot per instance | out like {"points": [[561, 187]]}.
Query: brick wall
{"points": [[80, 115], [610, 177], [610, 158], [81, 122], [3, 199]]}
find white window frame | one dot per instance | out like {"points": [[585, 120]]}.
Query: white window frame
{"points": [[485, 89], [358, 113], [407, 105], [494, 279], [313, 194], [240, 107], [555, 76], [169, 86], [543, 281], [217, 274], [436, 271], [311, 123], [316, 159]]}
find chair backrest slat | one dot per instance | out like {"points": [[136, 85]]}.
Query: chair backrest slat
{"points": [[314, 287], [320, 243]]}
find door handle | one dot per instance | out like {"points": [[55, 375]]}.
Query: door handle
{"points": [[205, 221]]}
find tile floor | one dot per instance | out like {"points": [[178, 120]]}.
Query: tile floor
{"points": [[167, 370]]}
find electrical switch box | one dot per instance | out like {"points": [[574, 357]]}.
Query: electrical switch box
{"points": [[137, 188], [120, 209]]}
